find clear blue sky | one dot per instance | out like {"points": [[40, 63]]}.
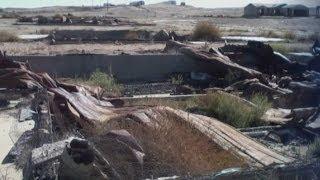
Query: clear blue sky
{"points": [[198, 3]]}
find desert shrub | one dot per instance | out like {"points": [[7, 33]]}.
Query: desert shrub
{"points": [[289, 35], [206, 31], [177, 79], [171, 145], [6, 36], [45, 31], [10, 15], [175, 104], [314, 149], [58, 16], [70, 15], [224, 107], [106, 82], [262, 104], [131, 35], [269, 34], [233, 111]]}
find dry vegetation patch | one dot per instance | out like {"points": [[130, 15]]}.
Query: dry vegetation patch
{"points": [[289, 35], [206, 31], [269, 34], [314, 149], [232, 111], [110, 86], [225, 108], [173, 147], [6, 36]]}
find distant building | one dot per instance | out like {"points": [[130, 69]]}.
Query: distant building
{"points": [[296, 10], [251, 10], [171, 2], [257, 10], [137, 3]]}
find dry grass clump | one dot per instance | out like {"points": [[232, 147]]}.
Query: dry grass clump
{"points": [[226, 108], [107, 82], [10, 15], [314, 149], [289, 35], [58, 16], [174, 147], [177, 79], [45, 31], [152, 102], [232, 111], [269, 34], [206, 31], [6, 36], [132, 35], [109, 85]]}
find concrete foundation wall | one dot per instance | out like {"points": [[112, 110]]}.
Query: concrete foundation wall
{"points": [[91, 35], [124, 67]]}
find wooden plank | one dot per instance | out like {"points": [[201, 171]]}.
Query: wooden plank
{"points": [[231, 139], [91, 109]]}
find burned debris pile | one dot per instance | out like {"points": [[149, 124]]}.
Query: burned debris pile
{"points": [[76, 36], [76, 130], [70, 19]]}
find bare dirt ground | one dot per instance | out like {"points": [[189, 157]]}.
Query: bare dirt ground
{"points": [[181, 19], [177, 18], [43, 48], [10, 131]]}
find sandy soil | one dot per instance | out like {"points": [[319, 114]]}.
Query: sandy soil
{"points": [[10, 131], [181, 19], [43, 48], [177, 18]]}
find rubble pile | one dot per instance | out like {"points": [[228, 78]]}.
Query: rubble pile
{"points": [[75, 131], [114, 35], [69, 19], [292, 88]]}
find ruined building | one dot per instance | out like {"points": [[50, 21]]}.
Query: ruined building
{"points": [[257, 10]]}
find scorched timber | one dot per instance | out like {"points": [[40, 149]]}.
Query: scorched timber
{"points": [[89, 108], [231, 139]]}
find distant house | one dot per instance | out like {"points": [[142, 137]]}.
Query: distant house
{"points": [[276, 9], [296, 10], [171, 2], [137, 3], [257, 10], [251, 10]]}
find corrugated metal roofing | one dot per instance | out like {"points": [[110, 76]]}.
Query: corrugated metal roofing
{"points": [[295, 6], [268, 5]]}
